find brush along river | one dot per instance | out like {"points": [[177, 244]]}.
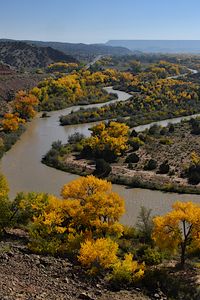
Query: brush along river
{"points": [[24, 171]]}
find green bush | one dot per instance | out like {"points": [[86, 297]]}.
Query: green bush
{"points": [[103, 168], [134, 133], [129, 232], [75, 138], [166, 141], [135, 143], [5, 213], [163, 131], [154, 129], [132, 158], [171, 128], [152, 256], [150, 165], [164, 168]]}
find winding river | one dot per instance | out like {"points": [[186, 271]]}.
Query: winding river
{"points": [[24, 171]]}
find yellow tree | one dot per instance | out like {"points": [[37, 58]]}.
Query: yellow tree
{"points": [[11, 122], [98, 254], [25, 105], [91, 206], [178, 228], [108, 141], [89, 209], [5, 204]]}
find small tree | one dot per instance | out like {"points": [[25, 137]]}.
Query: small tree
{"points": [[150, 165], [103, 168], [132, 158], [164, 167], [145, 224], [93, 206], [193, 171], [5, 204], [108, 141], [178, 229]]}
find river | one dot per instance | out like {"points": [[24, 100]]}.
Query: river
{"points": [[24, 171]]}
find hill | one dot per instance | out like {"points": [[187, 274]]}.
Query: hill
{"points": [[24, 56], [164, 46], [84, 51], [80, 50]]}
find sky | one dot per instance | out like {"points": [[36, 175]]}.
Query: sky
{"points": [[97, 21]]}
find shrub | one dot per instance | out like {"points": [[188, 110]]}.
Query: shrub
{"points": [[164, 168], [87, 152], [193, 171], [163, 131], [126, 271], [5, 204], [193, 174], [132, 158], [134, 133], [154, 129], [129, 232], [135, 143], [166, 141], [56, 145], [150, 165], [152, 256], [5, 213], [98, 255], [103, 168], [75, 138], [171, 128], [142, 137], [130, 166], [195, 126], [30, 205], [145, 224]]}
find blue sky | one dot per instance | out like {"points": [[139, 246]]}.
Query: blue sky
{"points": [[96, 21]]}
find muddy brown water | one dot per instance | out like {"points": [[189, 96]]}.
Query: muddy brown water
{"points": [[24, 171]]}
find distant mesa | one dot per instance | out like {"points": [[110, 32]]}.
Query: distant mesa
{"points": [[159, 46]]}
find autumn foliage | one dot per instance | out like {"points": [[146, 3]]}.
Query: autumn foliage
{"points": [[89, 208], [108, 141], [178, 229], [25, 105], [98, 254], [11, 122]]}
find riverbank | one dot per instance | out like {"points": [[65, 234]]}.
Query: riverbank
{"points": [[124, 176]]}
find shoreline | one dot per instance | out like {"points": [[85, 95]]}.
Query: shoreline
{"points": [[127, 177]]}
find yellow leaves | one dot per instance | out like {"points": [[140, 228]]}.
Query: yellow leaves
{"points": [[4, 189], [25, 104], [195, 158], [92, 205], [89, 209], [113, 137], [11, 122], [84, 187], [101, 253], [126, 271], [62, 67], [176, 227]]}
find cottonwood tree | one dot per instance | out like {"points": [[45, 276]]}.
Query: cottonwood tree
{"points": [[178, 229]]}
